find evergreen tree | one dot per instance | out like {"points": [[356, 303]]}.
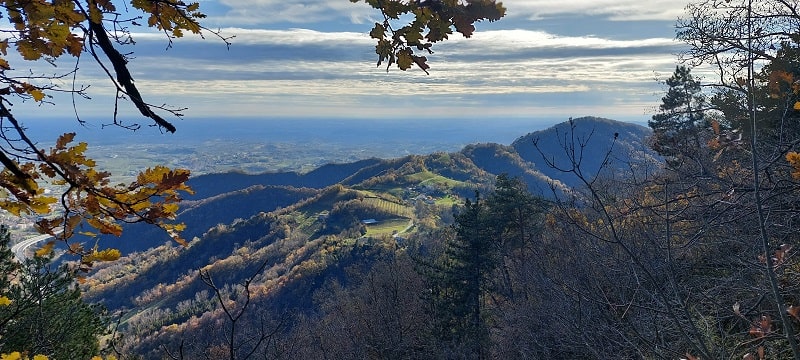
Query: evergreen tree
{"points": [[473, 274], [681, 115], [46, 314], [463, 280], [517, 216]]}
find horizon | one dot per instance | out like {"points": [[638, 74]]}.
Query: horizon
{"points": [[501, 131]]}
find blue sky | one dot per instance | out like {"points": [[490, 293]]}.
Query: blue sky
{"points": [[313, 58]]}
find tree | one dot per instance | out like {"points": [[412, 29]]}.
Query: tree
{"points": [[477, 274], [378, 314], [676, 128], [45, 313], [754, 47], [463, 282], [517, 214]]}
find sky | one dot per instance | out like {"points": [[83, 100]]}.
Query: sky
{"points": [[547, 60]]}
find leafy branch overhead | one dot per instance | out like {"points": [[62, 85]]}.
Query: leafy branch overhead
{"points": [[47, 31], [433, 21]]}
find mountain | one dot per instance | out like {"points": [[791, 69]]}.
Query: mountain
{"points": [[214, 184], [290, 233], [597, 141]]}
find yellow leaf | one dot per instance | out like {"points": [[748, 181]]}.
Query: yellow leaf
{"points": [[5, 301], [105, 255], [12, 356], [797, 105], [37, 95], [28, 51], [39, 357], [46, 249], [171, 208], [105, 226], [41, 204], [13, 207]]}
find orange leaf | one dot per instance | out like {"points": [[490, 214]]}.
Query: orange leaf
{"points": [[794, 311], [64, 139], [761, 327]]}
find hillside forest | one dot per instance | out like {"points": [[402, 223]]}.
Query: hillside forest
{"points": [[593, 239]]}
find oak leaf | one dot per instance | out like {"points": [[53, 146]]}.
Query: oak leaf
{"points": [[46, 249]]}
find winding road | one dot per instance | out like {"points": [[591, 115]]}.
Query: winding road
{"points": [[20, 249]]}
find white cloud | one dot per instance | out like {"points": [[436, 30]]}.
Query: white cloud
{"points": [[497, 73], [256, 12], [483, 42], [620, 10], [296, 37], [505, 41]]}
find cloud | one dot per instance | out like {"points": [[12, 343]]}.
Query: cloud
{"points": [[512, 68], [300, 72], [617, 10], [534, 42], [261, 12]]}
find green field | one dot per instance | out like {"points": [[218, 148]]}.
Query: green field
{"points": [[390, 206], [429, 178], [387, 227]]}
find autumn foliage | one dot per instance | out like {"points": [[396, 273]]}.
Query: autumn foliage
{"points": [[433, 21]]}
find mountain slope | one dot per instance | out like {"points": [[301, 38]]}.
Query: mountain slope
{"points": [[214, 184], [592, 139], [200, 215]]}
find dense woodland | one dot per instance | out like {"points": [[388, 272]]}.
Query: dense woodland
{"points": [[591, 240]]}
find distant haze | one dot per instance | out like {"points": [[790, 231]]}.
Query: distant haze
{"points": [[444, 132]]}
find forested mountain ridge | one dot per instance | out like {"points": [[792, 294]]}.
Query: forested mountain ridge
{"points": [[518, 158], [221, 198], [291, 233], [596, 137]]}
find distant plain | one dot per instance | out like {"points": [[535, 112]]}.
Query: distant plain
{"points": [[261, 145]]}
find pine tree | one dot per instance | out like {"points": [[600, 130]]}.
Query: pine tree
{"points": [[473, 275], [46, 314], [463, 280], [680, 116], [517, 215]]}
